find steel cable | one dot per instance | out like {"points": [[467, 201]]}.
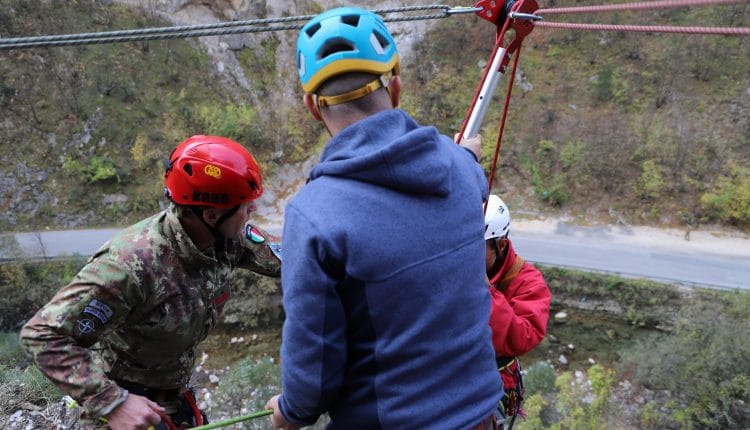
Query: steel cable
{"points": [[202, 30]]}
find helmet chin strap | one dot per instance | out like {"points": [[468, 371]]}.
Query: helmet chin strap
{"points": [[371, 87], [499, 257], [220, 240]]}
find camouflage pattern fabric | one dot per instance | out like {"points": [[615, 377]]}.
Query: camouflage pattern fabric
{"points": [[137, 310]]}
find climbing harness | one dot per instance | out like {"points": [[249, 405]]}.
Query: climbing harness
{"points": [[511, 405]]}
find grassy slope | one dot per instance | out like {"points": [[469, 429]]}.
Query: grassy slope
{"points": [[642, 124], [99, 119], [643, 128]]}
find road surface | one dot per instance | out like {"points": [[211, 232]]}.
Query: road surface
{"points": [[700, 258]]}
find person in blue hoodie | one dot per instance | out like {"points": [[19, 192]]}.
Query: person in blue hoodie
{"points": [[383, 275]]}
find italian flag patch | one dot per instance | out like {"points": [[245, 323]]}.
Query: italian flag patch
{"points": [[253, 234]]}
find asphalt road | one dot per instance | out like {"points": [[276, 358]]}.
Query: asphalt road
{"points": [[706, 259], [650, 254]]}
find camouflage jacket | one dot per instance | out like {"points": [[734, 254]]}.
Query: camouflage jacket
{"points": [[136, 311]]}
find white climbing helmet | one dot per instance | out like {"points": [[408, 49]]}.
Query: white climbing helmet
{"points": [[496, 218]]}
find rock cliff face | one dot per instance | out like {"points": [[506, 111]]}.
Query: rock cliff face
{"points": [[220, 48], [224, 49]]}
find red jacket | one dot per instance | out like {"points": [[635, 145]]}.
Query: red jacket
{"points": [[520, 308]]}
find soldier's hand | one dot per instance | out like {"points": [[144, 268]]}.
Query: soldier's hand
{"points": [[473, 144], [135, 413], [277, 419]]}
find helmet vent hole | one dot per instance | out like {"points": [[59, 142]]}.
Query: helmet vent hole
{"points": [[352, 20], [334, 46], [381, 40], [312, 30], [188, 169]]}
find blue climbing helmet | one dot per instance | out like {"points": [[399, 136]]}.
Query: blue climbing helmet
{"points": [[344, 40]]}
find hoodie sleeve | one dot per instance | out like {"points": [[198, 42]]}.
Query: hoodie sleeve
{"points": [[476, 168], [313, 347], [469, 166], [518, 317]]}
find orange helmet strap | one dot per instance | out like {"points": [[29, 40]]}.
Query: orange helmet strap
{"points": [[371, 87]]}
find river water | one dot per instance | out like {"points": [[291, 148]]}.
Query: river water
{"points": [[585, 338]]}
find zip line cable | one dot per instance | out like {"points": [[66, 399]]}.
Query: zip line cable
{"points": [[723, 31], [159, 30], [293, 23], [216, 29], [661, 4]]}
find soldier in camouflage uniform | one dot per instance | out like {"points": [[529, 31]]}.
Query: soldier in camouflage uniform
{"points": [[120, 338]]}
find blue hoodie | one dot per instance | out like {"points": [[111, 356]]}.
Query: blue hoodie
{"points": [[383, 284]]}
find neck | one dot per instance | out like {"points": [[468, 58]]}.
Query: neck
{"points": [[198, 232], [336, 123], [338, 117], [495, 268], [497, 264]]}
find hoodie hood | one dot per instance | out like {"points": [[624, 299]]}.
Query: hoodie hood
{"points": [[391, 150]]}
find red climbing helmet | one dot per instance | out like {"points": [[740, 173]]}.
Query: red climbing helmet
{"points": [[212, 171]]}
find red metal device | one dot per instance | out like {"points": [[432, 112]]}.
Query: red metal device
{"points": [[517, 15]]}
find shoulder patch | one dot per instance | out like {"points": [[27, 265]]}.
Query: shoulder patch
{"points": [[99, 310], [276, 249], [85, 326], [253, 234]]}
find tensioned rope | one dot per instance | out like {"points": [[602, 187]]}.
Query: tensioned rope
{"points": [[662, 4], [216, 29], [725, 31]]}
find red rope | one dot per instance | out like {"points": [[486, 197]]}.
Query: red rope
{"points": [[502, 121], [661, 4], [605, 27], [728, 31], [487, 70], [167, 421]]}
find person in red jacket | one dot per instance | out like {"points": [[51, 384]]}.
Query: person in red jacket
{"points": [[520, 304]]}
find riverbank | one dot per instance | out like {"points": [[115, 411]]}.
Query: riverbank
{"points": [[643, 338]]}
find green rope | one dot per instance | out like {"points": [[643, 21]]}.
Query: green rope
{"points": [[234, 420]]}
